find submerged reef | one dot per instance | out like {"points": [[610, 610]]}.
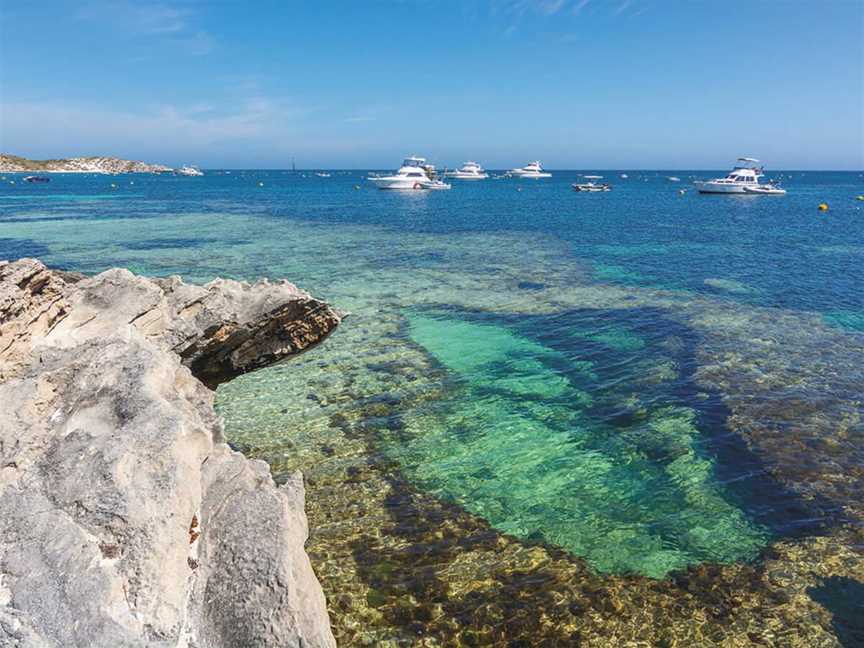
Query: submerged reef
{"points": [[502, 451], [125, 519]]}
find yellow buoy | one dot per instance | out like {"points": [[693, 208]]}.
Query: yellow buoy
{"points": [[823, 206], [861, 197], [113, 186]]}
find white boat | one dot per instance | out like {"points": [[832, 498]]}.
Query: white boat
{"points": [[591, 185], [414, 173], [673, 179], [469, 171], [744, 175], [766, 189], [189, 171], [624, 175], [531, 170], [322, 174]]}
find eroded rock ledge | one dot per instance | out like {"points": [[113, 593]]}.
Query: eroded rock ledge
{"points": [[125, 520]]}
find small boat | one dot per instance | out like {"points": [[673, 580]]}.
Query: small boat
{"points": [[322, 174], [624, 175], [744, 175], [37, 179], [189, 171], [591, 185], [767, 189], [673, 179], [531, 170], [414, 173], [468, 171]]}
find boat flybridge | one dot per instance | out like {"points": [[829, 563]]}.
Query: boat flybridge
{"points": [[532, 170], [744, 178], [414, 173], [469, 171], [592, 185]]}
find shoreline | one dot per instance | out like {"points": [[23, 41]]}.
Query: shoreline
{"points": [[134, 521]]}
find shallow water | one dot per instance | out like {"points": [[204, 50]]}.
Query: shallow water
{"points": [[551, 417]]}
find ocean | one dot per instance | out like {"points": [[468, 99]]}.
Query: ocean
{"points": [[550, 418]]}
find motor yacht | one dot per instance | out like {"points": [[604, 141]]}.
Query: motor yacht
{"points": [[189, 171], [531, 170], [468, 171], [745, 175], [414, 173], [591, 185]]}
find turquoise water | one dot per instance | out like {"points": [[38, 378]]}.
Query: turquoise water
{"points": [[644, 381]]}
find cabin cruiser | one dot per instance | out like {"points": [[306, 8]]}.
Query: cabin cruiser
{"points": [[469, 171], [745, 175], [414, 173], [531, 170], [189, 171], [591, 185]]}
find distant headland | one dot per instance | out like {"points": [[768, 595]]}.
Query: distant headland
{"points": [[93, 164]]}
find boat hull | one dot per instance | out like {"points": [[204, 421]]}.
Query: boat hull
{"points": [[765, 191], [717, 188], [397, 184], [531, 176]]}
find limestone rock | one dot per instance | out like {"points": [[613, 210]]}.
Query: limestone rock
{"points": [[124, 519]]}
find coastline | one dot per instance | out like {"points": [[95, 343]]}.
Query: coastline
{"points": [[127, 518]]}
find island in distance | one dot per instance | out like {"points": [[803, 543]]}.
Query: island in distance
{"points": [[92, 164]]}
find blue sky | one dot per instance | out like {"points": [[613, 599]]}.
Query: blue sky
{"points": [[575, 83]]}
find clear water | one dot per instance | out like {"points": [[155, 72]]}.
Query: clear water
{"points": [[541, 398]]}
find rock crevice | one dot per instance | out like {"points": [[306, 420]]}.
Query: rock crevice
{"points": [[124, 518]]}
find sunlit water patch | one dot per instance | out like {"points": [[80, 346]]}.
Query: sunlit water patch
{"points": [[591, 445]]}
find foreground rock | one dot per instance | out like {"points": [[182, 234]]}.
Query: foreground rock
{"points": [[125, 520], [92, 164]]}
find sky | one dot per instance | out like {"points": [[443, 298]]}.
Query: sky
{"points": [[600, 84]]}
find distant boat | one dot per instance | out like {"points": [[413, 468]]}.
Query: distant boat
{"points": [[624, 175], [37, 179], [189, 171], [744, 175], [766, 189], [469, 171], [530, 170], [414, 173], [321, 174], [591, 185], [673, 179]]}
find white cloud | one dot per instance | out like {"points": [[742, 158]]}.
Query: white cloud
{"points": [[55, 128], [166, 22]]}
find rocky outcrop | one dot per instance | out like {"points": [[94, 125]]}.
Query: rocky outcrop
{"points": [[125, 520], [92, 164]]}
